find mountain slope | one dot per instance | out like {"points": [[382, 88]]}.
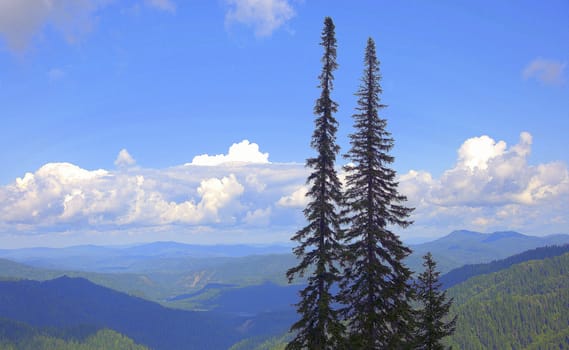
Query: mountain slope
{"points": [[66, 302], [523, 307], [465, 272]]}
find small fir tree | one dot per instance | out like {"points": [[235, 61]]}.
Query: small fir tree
{"points": [[430, 323], [318, 243], [376, 290]]}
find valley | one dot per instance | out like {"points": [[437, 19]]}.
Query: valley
{"points": [[240, 298]]}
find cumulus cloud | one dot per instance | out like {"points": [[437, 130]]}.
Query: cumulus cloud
{"points": [[491, 186], [62, 196], [258, 217], [60, 193], [548, 72], [296, 199], [124, 159], [242, 152], [265, 16]]}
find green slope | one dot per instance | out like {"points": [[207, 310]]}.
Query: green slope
{"points": [[20, 336], [523, 307]]}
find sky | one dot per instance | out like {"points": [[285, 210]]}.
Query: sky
{"points": [[128, 121]]}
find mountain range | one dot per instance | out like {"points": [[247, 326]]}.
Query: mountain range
{"points": [[165, 271], [244, 300]]}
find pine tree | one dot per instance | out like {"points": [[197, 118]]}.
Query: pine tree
{"points": [[431, 325], [319, 247], [375, 290]]}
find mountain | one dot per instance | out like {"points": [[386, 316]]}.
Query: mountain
{"points": [[467, 247], [165, 271], [465, 272], [523, 307], [66, 302], [212, 262]]}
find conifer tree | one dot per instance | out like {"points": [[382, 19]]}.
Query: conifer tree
{"points": [[318, 243], [431, 324], [376, 290]]}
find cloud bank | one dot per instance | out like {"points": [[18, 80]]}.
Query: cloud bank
{"points": [[491, 187]]}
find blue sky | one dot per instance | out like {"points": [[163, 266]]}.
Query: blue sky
{"points": [[478, 96]]}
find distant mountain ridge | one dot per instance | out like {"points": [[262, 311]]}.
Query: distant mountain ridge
{"points": [[119, 258], [453, 250], [469, 247]]}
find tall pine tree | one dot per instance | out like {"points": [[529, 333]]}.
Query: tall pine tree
{"points": [[432, 318], [375, 290], [319, 247]]}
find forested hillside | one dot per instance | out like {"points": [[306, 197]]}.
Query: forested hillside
{"points": [[20, 336], [465, 272], [523, 307]]}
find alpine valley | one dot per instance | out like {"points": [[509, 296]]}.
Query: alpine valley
{"points": [[510, 292]]}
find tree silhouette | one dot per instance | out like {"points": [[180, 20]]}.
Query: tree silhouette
{"points": [[319, 247], [375, 290], [431, 324]]}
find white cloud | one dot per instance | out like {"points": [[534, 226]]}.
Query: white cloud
{"points": [[491, 187], [253, 181], [265, 16], [124, 159], [296, 199], [164, 5], [548, 72], [60, 193], [62, 196], [258, 217], [478, 151], [242, 152]]}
